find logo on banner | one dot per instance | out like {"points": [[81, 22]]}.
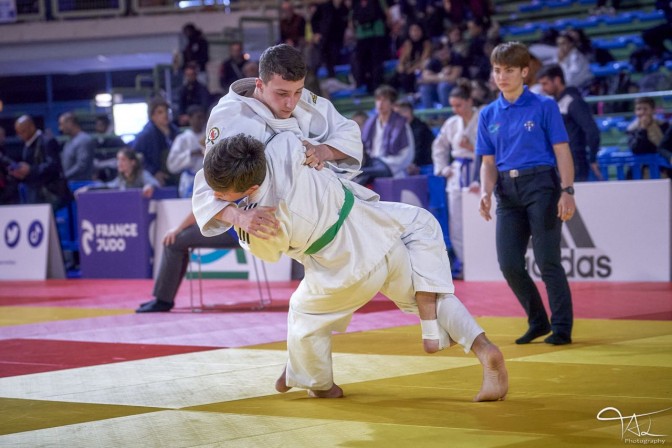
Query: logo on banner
{"points": [[35, 233], [87, 236], [107, 237], [581, 258], [12, 234]]}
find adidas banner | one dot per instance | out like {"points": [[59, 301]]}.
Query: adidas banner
{"points": [[620, 232]]}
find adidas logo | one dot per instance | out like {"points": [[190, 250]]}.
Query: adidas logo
{"points": [[243, 236], [580, 257]]}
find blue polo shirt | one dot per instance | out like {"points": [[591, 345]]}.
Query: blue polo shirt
{"points": [[521, 134]]}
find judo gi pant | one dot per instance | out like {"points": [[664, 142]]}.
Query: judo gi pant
{"points": [[416, 262]]}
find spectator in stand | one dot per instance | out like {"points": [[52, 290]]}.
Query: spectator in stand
{"points": [[39, 168], [292, 26], [602, 8], [397, 32], [459, 47], [195, 50], [645, 133], [413, 56], [656, 37], [579, 122], [575, 65], [175, 261], [388, 140], [360, 117], [9, 191], [186, 153], [432, 20], [459, 11], [438, 78], [232, 68], [251, 69], [546, 49], [192, 93], [331, 26], [531, 80], [585, 45], [78, 151], [103, 126], [422, 137], [477, 61], [481, 93], [453, 157], [155, 140], [130, 175], [369, 19], [105, 167], [665, 149]]}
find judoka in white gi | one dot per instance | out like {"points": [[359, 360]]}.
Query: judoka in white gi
{"points": [[351, 246], [261, 107]]}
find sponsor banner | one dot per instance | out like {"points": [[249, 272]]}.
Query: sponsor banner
{"points": [[409, 190], [114, 234], [621, 232], [215, 263], [29, 247]]}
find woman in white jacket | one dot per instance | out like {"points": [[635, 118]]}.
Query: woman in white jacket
{"points": [[187, 151], [453, 157]]}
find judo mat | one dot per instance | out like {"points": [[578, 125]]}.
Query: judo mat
{"points": [[78, 368]]}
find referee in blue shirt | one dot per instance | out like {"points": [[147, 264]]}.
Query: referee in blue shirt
{"points": [[528, 164]]}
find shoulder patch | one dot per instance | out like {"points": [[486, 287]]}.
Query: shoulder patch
{"points": [[313, 97], [213, 134]]}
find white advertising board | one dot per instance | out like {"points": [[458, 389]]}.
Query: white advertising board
{"points": [[215, 263], [29, 247], [621, 232]]}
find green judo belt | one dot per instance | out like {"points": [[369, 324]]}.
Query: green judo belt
{"points": [[331, 232]]}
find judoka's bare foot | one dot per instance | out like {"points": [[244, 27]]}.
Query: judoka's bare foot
{"points": [[431, 345], [495, 377], [334, 392], [281, 383]]}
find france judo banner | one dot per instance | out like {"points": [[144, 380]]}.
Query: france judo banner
{"points": [[408, 190], [29, 247], [214, 262], [621, 231], [114, 234]]}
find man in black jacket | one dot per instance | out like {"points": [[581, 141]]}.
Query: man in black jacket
{"points": [[40, 167], [578, 118]]}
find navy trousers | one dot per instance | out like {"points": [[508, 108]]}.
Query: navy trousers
{"points": [[527, 207]]}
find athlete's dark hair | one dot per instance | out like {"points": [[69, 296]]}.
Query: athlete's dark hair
{"points": [[235, 163]]}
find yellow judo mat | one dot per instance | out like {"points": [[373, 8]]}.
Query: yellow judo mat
{"points": [[612, 387]]}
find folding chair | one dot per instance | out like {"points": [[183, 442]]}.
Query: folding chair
{"points": [[263, 295]]}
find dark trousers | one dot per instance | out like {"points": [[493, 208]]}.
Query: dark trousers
{"points": [[175, 259], [370, 55], [581, 165], [655, 37], [527, 206]]}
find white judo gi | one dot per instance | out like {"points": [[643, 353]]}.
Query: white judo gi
{"points": [[446, 145], [314, 119], [393, 248]]}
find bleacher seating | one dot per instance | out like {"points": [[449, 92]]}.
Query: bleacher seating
{"points": [[625, 164]]}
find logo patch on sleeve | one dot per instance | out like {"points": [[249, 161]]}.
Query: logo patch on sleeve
{"points": [[213, 134]]}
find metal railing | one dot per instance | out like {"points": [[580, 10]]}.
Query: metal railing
{"points": [[71, 9], [36, 10]]}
